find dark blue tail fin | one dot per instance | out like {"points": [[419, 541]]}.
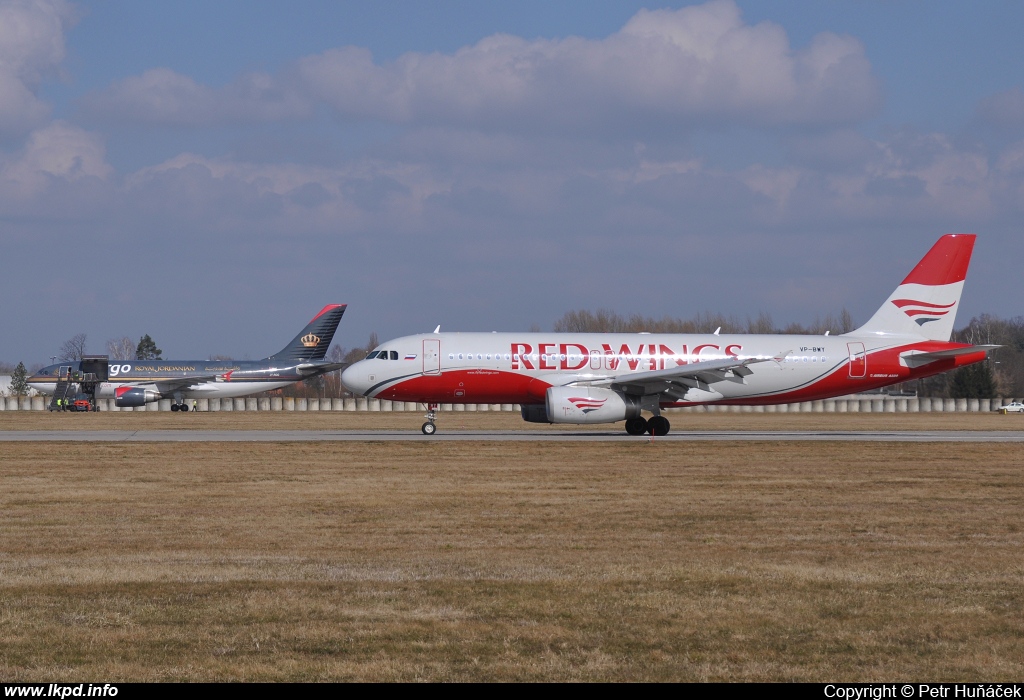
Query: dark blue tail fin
{"points": [[312, 341]]}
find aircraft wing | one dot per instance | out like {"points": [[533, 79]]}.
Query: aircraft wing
{"points": [[169, 386], [676, 381]]}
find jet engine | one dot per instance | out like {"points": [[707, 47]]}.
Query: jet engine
{"points": [[136, 397], [579, 405]]}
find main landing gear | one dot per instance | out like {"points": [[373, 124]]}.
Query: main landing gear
{"points": [[179, 404], [429, 428], [655, 425]]}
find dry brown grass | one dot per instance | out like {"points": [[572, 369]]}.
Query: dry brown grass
{"points": [[510, 561], [486, 420]]}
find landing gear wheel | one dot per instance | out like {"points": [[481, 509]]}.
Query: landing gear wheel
{"points": [[636, 426], [175, 407], [429, 428], [658, 426]]}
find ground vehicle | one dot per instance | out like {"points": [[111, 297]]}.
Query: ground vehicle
{"points": [[1012, 407]]}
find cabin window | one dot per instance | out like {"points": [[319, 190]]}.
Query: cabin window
{"points": [[488, 356], [394, 354], [451, 356], [460, 355]]}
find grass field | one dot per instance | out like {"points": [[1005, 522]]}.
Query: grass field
{"points": [[509, 561]]}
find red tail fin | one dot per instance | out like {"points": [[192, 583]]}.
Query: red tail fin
{"points": [[926, 301], [946, 262]]}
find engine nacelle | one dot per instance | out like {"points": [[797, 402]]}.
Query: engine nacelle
{"points": [[129, 397], [582, 405]]}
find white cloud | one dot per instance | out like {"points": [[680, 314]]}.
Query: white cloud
{"points": [[58, 150], [673, 69], [31, 46], [699, 64], [162, 96]]}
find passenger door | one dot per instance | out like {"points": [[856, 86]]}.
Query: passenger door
{"points": [[858, 360], [432, 356]]}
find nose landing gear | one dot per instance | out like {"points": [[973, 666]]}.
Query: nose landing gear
{"points": [[429, 428]]}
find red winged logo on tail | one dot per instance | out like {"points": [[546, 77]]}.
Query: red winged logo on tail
{"points": [[921, 312]]}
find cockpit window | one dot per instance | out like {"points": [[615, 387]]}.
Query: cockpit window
{"points": [[394, 354], [372, 355]]}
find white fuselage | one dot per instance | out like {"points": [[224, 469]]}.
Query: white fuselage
{"points": [[520, 367]]}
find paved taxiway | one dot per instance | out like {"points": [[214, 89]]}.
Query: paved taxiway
{"points": [[500, 435]]}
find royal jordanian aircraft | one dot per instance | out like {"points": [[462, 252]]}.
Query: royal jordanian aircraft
{"points": [[138, 382], [608, 377]]}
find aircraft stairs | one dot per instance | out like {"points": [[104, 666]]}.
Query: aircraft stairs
{"points": [[60, 392]]}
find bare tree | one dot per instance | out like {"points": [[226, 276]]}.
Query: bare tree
{"points": [[332, 380], [121, 348], [73, 348]]}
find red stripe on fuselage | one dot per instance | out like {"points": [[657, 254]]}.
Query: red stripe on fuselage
{"points": [[476, 385]]}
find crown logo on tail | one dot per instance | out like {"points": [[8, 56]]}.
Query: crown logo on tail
{"points": [[310, 340]]}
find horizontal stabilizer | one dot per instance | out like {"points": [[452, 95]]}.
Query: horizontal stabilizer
{"points": [[319, 367], [919, 359]]}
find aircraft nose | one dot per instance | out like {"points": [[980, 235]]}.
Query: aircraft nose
{"points": [[354, 378]]}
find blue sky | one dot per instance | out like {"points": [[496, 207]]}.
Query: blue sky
{"points": [[213, 173]]}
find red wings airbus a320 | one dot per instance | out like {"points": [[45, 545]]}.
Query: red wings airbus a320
{"points": [[608, 377]]}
